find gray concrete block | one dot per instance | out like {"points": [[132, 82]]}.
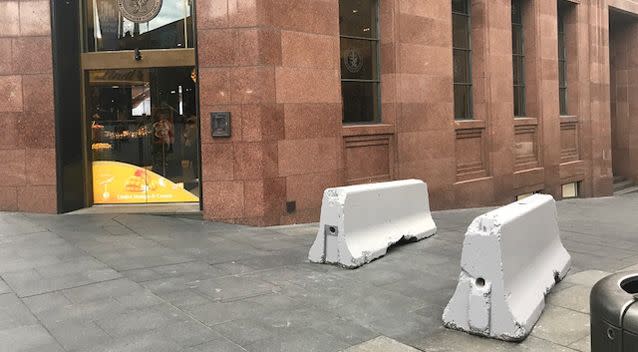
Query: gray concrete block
{"points": [[359, 223]]}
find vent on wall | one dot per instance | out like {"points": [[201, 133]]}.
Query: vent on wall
{"points": [[291, 207]]}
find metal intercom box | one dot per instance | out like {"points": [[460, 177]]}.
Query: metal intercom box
{"points": [[220, 124]]}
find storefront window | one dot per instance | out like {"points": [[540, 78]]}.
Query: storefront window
{"points": [[128, 24], [144, 135], [462, 56], [359, 60], [518, 58]]}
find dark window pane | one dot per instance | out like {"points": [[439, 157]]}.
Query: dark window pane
{"points": [[516, 102], [360, 101], [358, 18], [562, 61], [563, 101], [561, 20], [462, 102], [518, 58], [517, 40], [461, 31], [462, 56], [461, 6], [519, 70], [562, 73], [358, 59], [519, 101], [517, 12], [561, 46], [461, 66]]}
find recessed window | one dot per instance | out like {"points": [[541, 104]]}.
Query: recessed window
{"points": [[562, 61], [462, 56], [359, 35], [524, 195], [570, 190], [518, 58]]}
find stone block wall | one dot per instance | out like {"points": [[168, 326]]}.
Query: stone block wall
{"points": [[27, 129]]}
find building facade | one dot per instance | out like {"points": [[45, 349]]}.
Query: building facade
{"points": [[251, 108]]}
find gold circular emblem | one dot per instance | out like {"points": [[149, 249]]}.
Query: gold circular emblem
{"points": [[139, 11]]}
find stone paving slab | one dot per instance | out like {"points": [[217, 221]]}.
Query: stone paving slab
{"points": [[381, 343], [105, 282]]}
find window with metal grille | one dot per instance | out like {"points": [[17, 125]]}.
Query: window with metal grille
{"points": [[359, 45], [462, 56], [562, 62], [518, 58]]}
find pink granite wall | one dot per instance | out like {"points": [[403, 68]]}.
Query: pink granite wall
{"points": [[27, 128]]}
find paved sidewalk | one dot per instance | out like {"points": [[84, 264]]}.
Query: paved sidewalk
{"points": [[155, 283]]}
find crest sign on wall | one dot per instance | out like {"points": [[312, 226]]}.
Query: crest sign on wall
{"points": [[139, 11]]}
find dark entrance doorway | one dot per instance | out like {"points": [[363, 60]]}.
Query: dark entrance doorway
{"points": [[140, 102], [623, 57]]}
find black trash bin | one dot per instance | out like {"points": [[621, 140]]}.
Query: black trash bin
{"points": [[614, 313]]}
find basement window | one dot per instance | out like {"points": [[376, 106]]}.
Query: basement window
{"points": [[525, 195], [570, 190]]}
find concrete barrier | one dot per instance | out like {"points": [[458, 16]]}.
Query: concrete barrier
{"points": [[511, 259], [359, 223]]}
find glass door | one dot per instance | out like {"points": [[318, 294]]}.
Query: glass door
{"points": [[141, 101]]}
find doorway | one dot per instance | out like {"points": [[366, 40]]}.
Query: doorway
{"points": [[140, 102], [623, 40]]}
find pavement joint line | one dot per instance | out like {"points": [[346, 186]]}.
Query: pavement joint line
{"points": [[601, 256], [241, 298], [579, 232], [41, 323], [201, 323], [554, 343], [159, 266], [61, 290], [25, 233], [587, 234], [580, 241], [144, 267], [225, 276]]}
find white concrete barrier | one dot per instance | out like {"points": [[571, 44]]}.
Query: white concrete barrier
{"points": [[511, 259], [359, 223]]}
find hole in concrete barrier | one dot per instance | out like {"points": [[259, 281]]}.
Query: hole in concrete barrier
{"points": [[480, 282], [630, 285], [332, 230], [611, 334], [557, 278]]}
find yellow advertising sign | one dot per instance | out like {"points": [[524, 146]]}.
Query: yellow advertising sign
{"points": [[120, 183]]}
